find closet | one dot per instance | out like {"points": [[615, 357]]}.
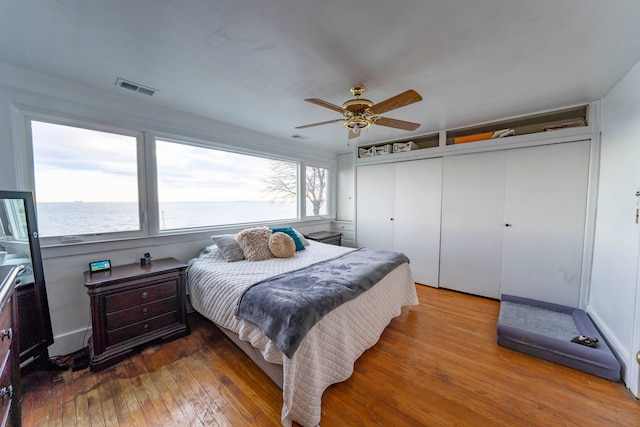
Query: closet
{"points": [[473, 222], [513, 222], [398, 208]]}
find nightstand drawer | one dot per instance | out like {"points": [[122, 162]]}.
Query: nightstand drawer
{"points": [[139, 296], [137, 329], [5, 384], [5, 329], [138, 313]]}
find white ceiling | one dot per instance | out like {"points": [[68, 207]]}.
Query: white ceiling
{"points": [[252, 62]]}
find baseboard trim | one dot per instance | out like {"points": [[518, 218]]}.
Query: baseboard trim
{"points": [[69, 342], [622, 354]]}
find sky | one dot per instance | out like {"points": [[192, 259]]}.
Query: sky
{"points": [[74, 164]]}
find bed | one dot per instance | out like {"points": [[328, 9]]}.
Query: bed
{"points": [[327, 353]]}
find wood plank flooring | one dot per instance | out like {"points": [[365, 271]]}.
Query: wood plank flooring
{"points": [[437, 364]]}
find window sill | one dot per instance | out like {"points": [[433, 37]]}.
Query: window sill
{"points": [[165, 238]]}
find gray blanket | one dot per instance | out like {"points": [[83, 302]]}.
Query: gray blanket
{"points": [[287, 306]]}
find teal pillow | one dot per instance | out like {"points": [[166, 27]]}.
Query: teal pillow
{"points": [[291, 232]]}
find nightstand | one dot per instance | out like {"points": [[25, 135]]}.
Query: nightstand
{"points": [[132, 305], [330, 237]]}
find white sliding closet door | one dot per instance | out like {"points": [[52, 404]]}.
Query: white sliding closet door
{"points": [[545, 204], [472, 223], [398, 208], [374, 206], [417, 210]]}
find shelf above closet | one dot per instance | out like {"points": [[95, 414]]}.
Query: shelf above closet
{"points": [[537, 123]]}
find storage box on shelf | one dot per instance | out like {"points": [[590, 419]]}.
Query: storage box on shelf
{"points": [[365, 152], [401, 147], [380, 150]]}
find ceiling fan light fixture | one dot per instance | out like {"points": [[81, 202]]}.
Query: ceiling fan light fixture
{"points": [[357, 123], [361, 113]]}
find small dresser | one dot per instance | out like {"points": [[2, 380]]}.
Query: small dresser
{"points": [[10, 391], [132, 305]]}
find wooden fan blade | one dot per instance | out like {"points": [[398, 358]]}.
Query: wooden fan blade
{"points": [[395, 123], [401, 100], [326, 104], [321, 123]]}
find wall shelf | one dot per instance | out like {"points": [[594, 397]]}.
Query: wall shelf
{"points": [[544, 122]]}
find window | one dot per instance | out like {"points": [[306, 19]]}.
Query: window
{"points": [[316, 188], [94, 182], [86, 180], [200, 187]]}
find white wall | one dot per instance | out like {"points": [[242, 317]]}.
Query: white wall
{"points": [[617, 236], [64, 266]]}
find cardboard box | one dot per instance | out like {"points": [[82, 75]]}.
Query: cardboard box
{"points": [[400, 147]]}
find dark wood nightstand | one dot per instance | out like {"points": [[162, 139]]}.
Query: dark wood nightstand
{"points": [[132, 305], [330, 237]]}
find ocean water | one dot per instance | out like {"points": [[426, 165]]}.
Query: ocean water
{"points": [[63, 219]]}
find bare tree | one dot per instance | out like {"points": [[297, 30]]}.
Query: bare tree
{"points": [[282, 182], [316, 182]]}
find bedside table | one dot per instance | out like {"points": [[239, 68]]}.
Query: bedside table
{"points": [[330, 237], [132, 305]]}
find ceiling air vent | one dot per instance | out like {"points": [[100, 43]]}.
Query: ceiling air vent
{"points": [[135, 87]]}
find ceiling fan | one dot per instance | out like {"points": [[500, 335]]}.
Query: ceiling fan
{"points": [[361, 113]]}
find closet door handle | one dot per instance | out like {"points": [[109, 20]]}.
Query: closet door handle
{"points": [[507, 225], [391, 219]]}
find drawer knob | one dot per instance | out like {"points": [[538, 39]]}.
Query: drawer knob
{"points": [[145, 310], [144, 295], [145, 327], [6, 334], [6, 392]]}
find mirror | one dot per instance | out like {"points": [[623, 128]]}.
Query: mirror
{"points": [[19, 245]]}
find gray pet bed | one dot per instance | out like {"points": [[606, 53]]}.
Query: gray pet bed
{"points": [[545, 330]]}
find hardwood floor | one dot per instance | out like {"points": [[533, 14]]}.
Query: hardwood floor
{"points": [[437, 364]]}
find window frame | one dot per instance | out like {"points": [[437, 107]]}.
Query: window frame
{"points": [[327, 191], [147, 178], [154, 225], [139, 136]]}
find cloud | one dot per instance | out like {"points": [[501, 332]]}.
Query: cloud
{"points": [[73, 163], [188, 173]]}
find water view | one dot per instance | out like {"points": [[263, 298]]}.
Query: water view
{"points": [[62, 219]]}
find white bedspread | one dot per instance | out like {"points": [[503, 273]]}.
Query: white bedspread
{"points": [[328, 352]]}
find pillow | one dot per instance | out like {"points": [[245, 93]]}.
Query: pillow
{"points": [[290, 231], [228, 247], [282, 245], [254, 243], [301, 237]]}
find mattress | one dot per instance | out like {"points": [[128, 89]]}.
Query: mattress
{"points": [[328, 352]]}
